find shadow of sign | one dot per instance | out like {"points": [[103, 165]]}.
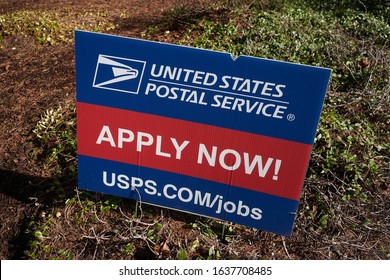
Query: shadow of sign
{"points": [[22, 198]]}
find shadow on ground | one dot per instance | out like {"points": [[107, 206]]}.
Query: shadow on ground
{"points": [[22, 198]]}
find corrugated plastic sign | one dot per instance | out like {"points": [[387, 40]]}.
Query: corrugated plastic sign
{"points": [[196, 130]]}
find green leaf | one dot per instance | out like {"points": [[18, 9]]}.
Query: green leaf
{"points": [[182, 254]]}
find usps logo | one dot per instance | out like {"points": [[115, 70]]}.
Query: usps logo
{"points": [[118, 74]]}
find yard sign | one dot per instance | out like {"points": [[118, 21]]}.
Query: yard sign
{"points": [[196, 130]]}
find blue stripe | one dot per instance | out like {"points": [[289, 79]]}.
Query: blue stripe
{"points": [[277, 214]]}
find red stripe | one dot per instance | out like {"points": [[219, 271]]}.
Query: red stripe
{"points": [[294, 156]]}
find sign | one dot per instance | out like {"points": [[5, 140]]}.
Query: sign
{"points": [[196, 130]]}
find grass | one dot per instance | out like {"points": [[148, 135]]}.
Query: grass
{"points": [[349, 168]]}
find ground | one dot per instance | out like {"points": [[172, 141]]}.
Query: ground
{"points": [[36, 77]]}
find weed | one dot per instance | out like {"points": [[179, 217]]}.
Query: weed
{"points": [[204, 228], [182, 254], [65, 254], [153, 233], [129, 249], [55, 140], [195, 245], [213, 254], [45, 27], [349, 153], [50, 28], [38, 233]]}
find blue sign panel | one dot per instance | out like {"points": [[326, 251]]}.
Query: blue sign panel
{"points": [[196, 130]]}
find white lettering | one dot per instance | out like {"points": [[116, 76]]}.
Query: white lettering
{"points": [[158, 148], [179, 148], [188, 194], [237, 160], [231, 205], [105, 135], [165, 191], [123, 182], [257, 160], [112, 183], [203, 152], [121, 136], [136, 183], [141, 142]]}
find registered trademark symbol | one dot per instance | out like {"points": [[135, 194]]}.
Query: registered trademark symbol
{"points": [[290, 117]]}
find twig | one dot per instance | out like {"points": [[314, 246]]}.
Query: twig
{"points": [[94, 211], [285, 248]]}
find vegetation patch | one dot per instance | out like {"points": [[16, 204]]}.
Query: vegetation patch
{"points": [[52, 27], [352, 143], [55, 140]]}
